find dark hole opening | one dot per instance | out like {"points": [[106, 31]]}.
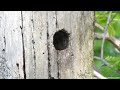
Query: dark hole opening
{"points": [[61, 40], [17, 64]]}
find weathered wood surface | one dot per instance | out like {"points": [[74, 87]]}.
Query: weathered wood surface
{"points": [[11, 48], [27, 50]]}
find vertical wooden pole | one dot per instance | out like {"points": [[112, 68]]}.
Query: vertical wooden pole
{"points": [[27, 50]]}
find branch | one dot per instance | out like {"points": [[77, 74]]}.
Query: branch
{"points": [[98, 75], [113, 40], [104, 61], [105, 33], [100, 36], [99, 26]]}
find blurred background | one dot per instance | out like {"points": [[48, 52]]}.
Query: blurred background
{"points": [[107, 43]]}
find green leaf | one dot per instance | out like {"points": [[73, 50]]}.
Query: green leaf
{"points": [[111, 30]]}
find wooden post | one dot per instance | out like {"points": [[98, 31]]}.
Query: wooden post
{"points": [[46, 44]]}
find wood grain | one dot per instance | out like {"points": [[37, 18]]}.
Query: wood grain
{"points": [[27, 50]]}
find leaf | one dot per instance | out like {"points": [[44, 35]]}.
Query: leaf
{"points": [[111, 30]]}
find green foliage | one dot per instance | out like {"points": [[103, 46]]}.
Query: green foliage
{"points": [[106, 71], [114, 26], [110, 53], [115, 61]]}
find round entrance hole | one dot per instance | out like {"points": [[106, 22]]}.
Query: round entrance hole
{"points": [[61, 39]]}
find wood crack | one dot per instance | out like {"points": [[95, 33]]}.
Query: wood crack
{"points": [[4, 40], [48, 49], [24, 67], [33, 42], [58, 63]]}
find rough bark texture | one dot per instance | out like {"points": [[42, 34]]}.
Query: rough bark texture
{"points": [[27, 50]]}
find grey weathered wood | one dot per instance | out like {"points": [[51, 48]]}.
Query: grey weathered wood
{"points": [[53, 67], [11, 54], [27, 50], [35, 44], [76, 60]]}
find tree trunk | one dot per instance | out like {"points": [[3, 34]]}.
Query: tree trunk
{"points": [[46, 44]]}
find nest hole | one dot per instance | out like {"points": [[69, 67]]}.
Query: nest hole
{"points": [[61, 39]]}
